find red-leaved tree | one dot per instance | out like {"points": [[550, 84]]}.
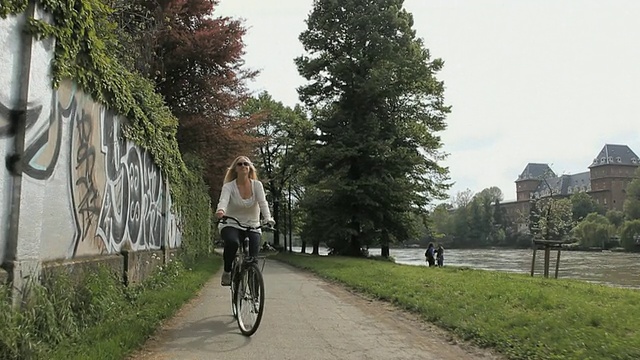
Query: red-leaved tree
{"points": [[195, 59]]}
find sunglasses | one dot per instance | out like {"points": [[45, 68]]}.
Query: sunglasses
{"points": [[243, 163]]}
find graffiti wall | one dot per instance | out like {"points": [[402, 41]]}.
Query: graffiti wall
{"points": [[85, 189]]}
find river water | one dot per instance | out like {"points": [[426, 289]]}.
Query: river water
{"points": [[610, 268]]}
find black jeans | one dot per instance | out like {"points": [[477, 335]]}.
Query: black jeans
{"points": [[232, 239]]}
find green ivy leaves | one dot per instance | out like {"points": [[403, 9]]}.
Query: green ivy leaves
{"points": [[85, 52]]}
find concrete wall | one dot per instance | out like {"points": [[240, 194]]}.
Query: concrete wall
{"points": [[86, 191]]}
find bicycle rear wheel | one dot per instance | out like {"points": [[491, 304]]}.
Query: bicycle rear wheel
{"points": [[250, 299]]}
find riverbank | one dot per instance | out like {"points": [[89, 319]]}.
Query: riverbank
{"points": [[610, 268], [519, 316]]}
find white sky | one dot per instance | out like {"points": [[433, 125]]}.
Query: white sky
{"points": [[529, 81]]}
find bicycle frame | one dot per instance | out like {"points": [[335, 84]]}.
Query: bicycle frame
{"points": [[243, 266]]}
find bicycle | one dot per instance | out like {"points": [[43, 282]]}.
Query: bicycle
{"points": [[247, 285]]}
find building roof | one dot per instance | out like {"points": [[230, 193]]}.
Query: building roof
{"points": [[615, 155], [536, 171], [566, 184]]}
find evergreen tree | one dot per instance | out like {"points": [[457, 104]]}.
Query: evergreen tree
{"points": [[499, 215], [377, 107]]}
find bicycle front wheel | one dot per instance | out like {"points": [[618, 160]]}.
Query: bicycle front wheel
{"points": [[250, 299], [234, 293]]}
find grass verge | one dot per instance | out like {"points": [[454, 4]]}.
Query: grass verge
{"points": [[155, 301], [97, 317], [519, 316]]}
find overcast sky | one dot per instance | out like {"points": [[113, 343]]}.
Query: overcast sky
{"points": [[529, 81]]}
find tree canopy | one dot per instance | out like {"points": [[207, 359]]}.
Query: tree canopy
{"points": [[196, 62], [377, 107]]}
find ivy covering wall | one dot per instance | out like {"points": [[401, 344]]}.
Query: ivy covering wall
{"points": [[85, 52]]}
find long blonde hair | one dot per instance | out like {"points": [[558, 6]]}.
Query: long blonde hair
{"points": [[232, 174]]}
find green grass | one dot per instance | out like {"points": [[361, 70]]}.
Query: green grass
{"points": [[519, 316], [97, 317], [118, 336]]}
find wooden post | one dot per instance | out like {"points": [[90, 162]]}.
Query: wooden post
{"points": [[547, 253], [533, 262], [547, 245]]}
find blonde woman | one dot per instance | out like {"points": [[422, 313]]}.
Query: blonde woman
{"points": [[243, 198]]}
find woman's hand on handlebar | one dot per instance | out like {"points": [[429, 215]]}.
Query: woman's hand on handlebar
{"points": [[220, 214]]}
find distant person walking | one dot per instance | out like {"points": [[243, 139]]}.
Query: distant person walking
{"points": [[430, 255], [440, 256]]}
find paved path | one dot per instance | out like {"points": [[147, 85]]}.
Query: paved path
{"points": [[305, 318]]}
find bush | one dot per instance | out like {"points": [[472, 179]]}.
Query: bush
{"points": [[628, 235]]}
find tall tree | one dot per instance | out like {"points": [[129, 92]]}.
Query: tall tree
{"points": [[377, 108], [195, 59], [500, 215], [615, 217], [463, 198], [631, 206], [494, 194], [583, 205], [281, 133]]}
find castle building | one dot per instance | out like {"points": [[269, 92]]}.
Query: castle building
{"points": [[608, 176]]}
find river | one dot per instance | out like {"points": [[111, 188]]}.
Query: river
{"points": [[610, 268]]}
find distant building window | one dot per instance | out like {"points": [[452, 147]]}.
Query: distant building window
{"points": [[604, 201], [634, 160], [602, 160], [610, 159], [619, 159], [597, 201]]}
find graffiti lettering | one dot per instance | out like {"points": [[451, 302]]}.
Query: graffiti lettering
{"points": [[117, 193], [133, 203], [88, 206]]}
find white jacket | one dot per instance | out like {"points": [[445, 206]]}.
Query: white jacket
{"points": [[247, 211]]}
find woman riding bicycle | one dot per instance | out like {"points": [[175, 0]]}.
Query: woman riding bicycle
{"points": [[243, 198]]}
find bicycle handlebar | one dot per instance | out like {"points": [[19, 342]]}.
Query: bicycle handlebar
{"points": [[224, 218]]}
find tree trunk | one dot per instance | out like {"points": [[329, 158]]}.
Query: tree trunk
{"points": [[284, 227], [355, 248], [276, 218], [290, 215], [304, 247], [385, 244], [385, 251], [316, 248]]}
